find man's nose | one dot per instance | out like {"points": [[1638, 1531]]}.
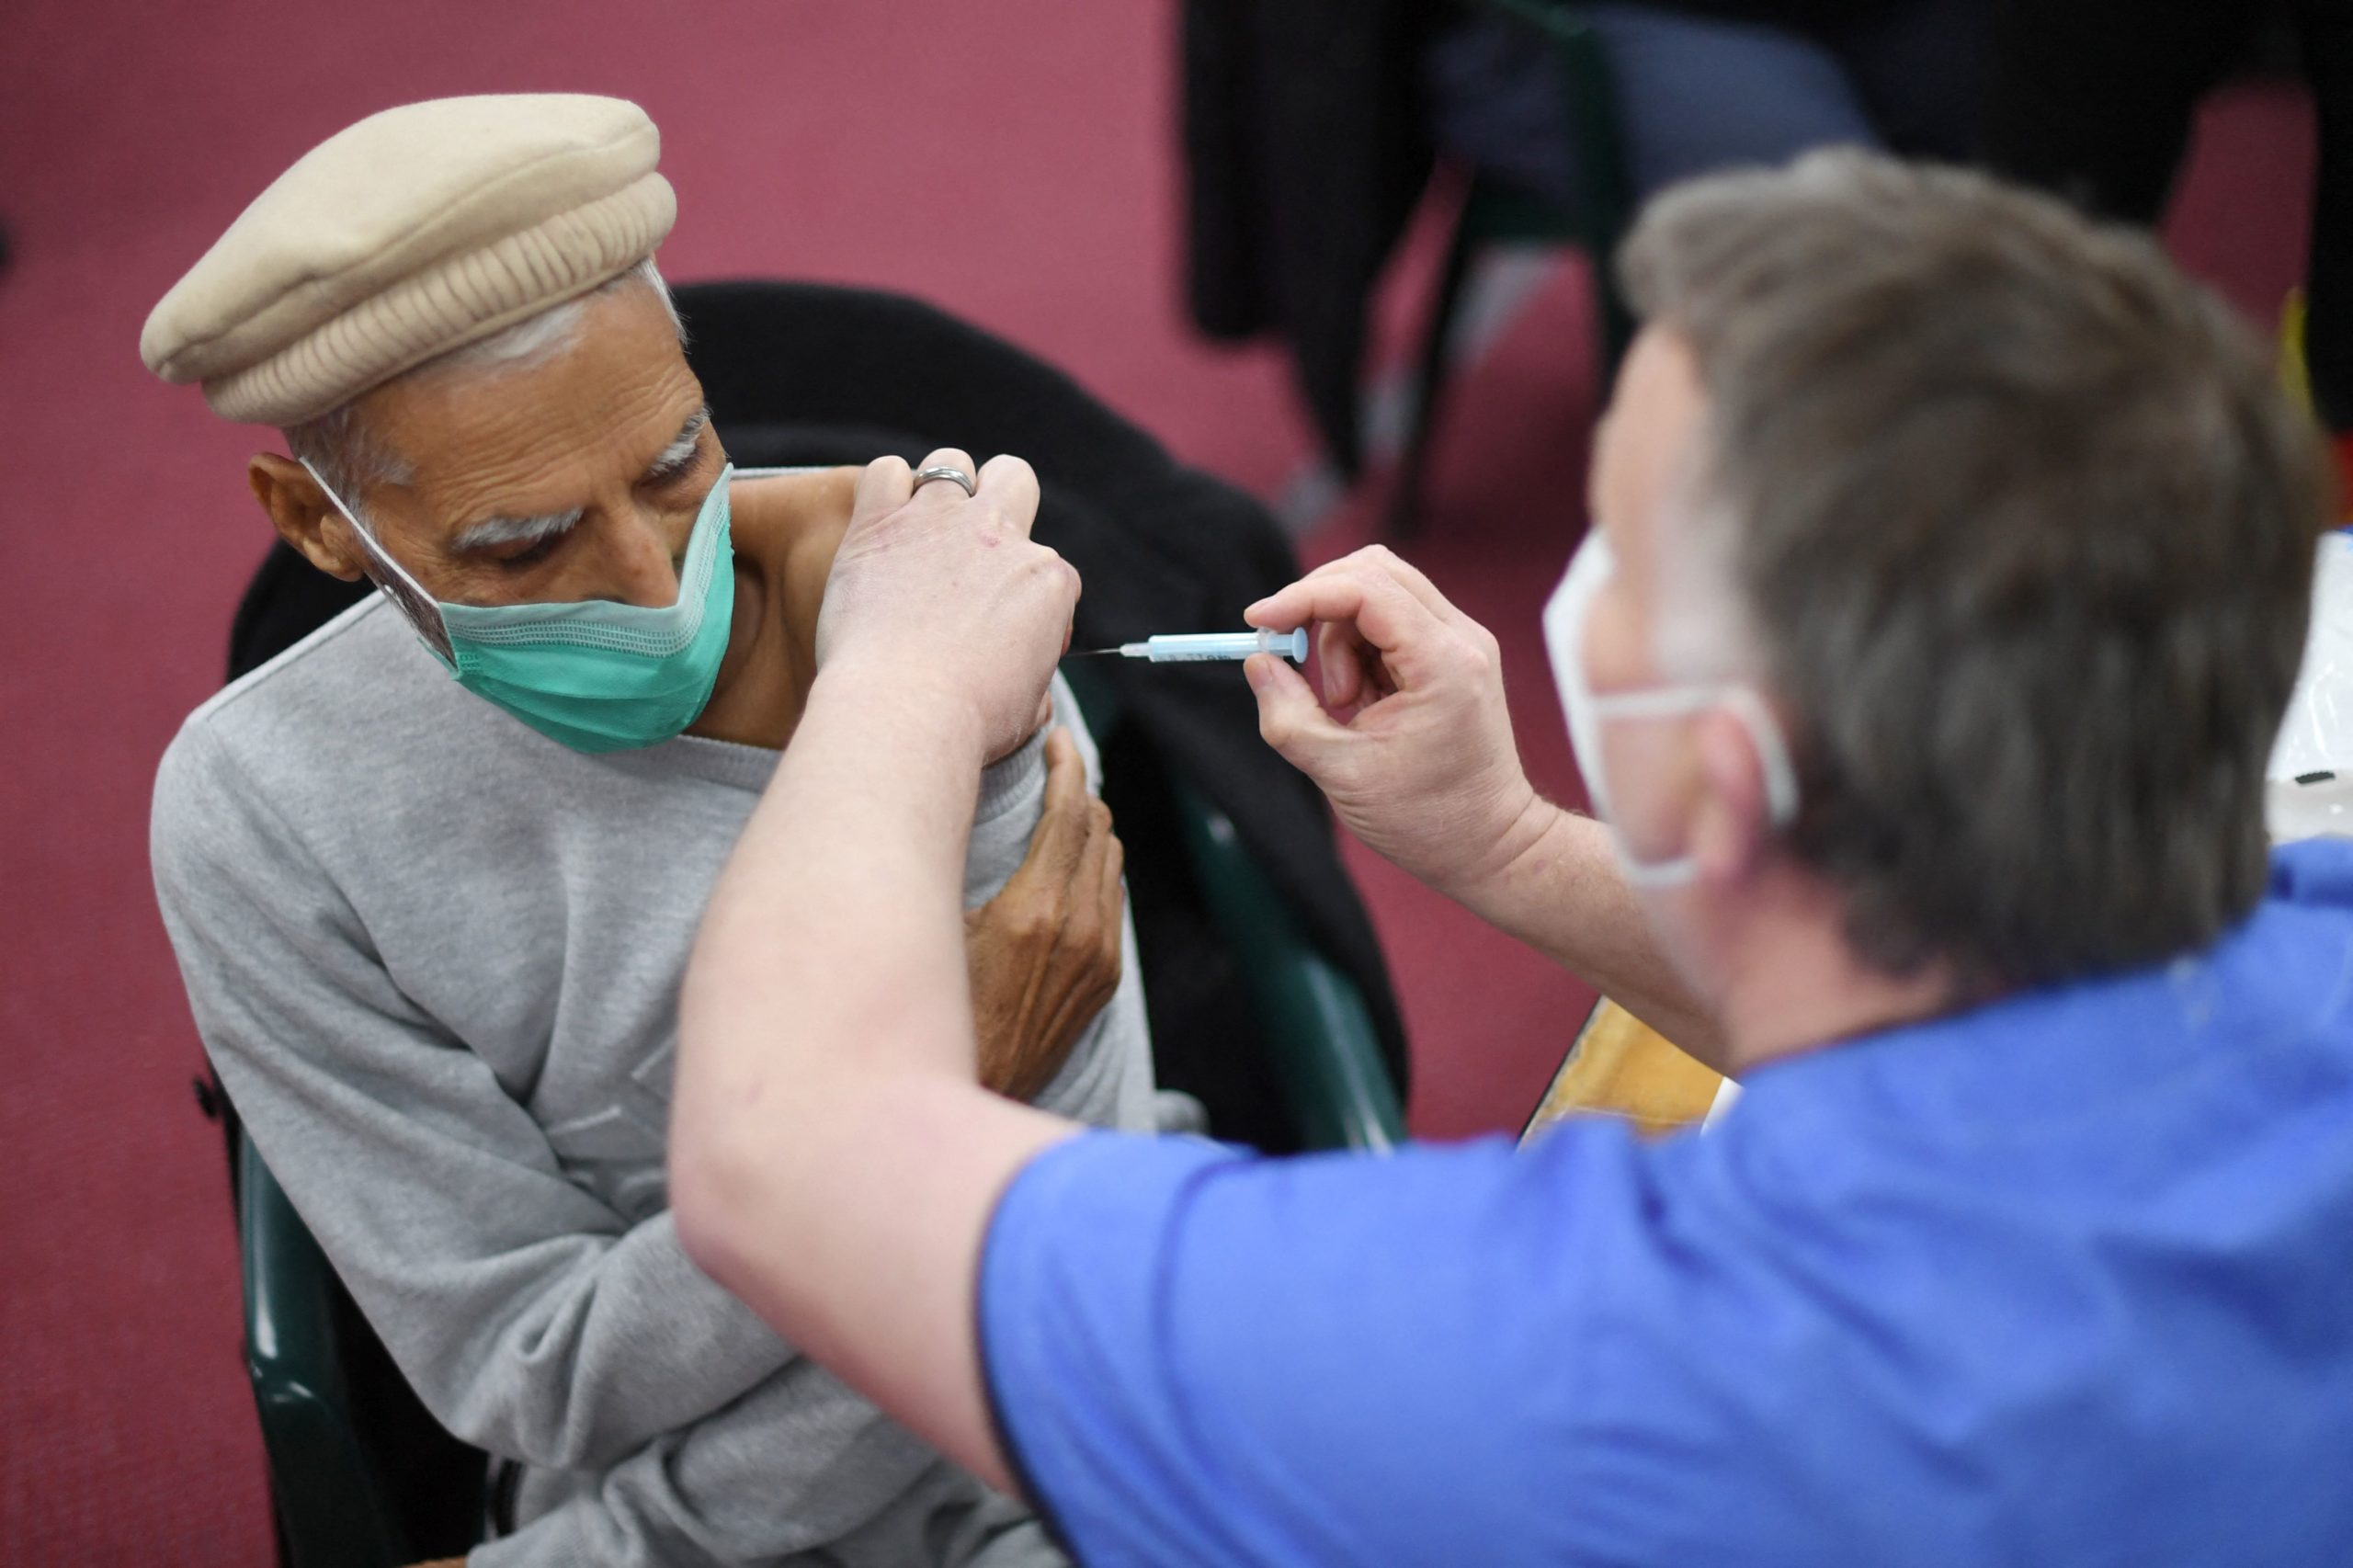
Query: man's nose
{"points": [[643, 563]]}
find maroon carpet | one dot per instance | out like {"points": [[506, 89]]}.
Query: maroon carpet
{"points": [[1013, 162]]}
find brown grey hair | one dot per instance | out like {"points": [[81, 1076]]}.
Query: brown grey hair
{"points": [[2023, 527]]}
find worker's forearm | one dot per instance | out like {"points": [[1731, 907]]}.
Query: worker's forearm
{"points": [[1563, 894], [838, 916], [833, 1160], [831, 951]]}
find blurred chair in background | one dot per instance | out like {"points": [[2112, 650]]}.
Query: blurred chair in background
{"points": [[1568, 116], [1703, 85], [1559, 108], [1311, 126]]}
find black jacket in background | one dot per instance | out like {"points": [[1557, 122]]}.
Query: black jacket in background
{"points": [[1306, 147]]}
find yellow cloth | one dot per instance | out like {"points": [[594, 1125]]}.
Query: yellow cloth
{"points": [[1620, 1066]]}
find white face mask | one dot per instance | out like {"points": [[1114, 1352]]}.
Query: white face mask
{"points": [[1566, 614]]}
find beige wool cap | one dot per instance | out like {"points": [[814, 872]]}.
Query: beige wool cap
{"points": [[412, 232]]}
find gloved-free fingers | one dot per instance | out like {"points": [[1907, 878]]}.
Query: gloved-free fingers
{"points": [[883, 488], [1339, 660], [1010, 485], [1060, 841], [1290, 719]]}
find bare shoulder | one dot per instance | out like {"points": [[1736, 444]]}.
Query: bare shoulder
{"points": [[805, 498], [796, 521]]}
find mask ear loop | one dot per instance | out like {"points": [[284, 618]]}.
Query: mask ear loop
{"points": [[1742, 703], [1564, 618], [419, 609], [1772, 752]]}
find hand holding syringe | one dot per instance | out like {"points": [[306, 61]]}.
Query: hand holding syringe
{"points": [[1197, 647]]}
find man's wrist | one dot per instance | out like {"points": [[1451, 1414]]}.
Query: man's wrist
{"points": [[1496, 882]]}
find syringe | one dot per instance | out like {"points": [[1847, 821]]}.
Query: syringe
{"points": [[1189, 647]]}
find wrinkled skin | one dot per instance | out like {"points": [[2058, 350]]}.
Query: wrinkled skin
{"points": [[1045, 952]]}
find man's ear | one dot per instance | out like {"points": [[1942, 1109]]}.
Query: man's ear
{"points": [[1733, 823], [303, 514]]}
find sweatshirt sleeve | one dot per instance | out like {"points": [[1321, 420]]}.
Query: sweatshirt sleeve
{"points": [[530, 1318]]}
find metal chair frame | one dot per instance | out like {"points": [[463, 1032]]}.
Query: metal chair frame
{"points": [[1496, 213]]}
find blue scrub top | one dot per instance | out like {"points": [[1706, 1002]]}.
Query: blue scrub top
{"points": [[2064, 1280]]}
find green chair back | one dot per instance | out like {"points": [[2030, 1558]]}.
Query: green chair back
{"points": [[338, 1497]]}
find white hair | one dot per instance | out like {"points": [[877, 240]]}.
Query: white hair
{"points": [[350, 458]]}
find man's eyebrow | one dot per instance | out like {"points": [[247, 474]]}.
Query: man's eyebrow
{"points": [[492, 532], [682, 448]]}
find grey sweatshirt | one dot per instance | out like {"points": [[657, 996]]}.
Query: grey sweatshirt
{"points": [[436, 957]]}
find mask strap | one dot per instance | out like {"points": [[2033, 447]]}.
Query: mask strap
{"points": [[1764, 730], [419, 609], [1772, 752]]}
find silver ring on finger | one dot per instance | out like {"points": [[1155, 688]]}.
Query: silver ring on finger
{"points": [[926, 475]]}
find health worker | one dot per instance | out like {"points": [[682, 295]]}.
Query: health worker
{"points": [[1947, 580]]}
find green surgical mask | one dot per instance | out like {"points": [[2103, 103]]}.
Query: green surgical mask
{"points": [[595, 676]]}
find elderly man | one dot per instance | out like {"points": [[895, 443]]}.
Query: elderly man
{"points": [[433, 927], [1946, 584]]}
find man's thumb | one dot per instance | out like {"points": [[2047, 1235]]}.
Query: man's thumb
{"points": [[1290, 719]]}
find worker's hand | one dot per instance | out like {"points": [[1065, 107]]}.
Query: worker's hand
{"points": [[1045, 951], [945, 599], [1412, 741]]}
